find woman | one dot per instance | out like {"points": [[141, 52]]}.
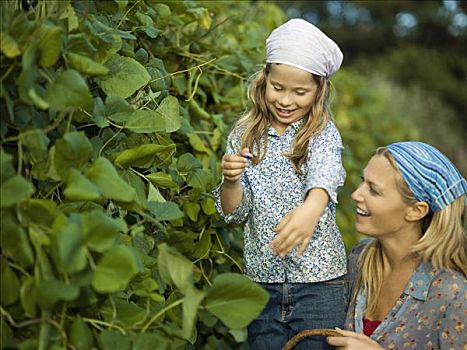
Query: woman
{"points": [[408, 282]]}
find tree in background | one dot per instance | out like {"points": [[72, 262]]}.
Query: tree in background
{"points": [[420, 45]]}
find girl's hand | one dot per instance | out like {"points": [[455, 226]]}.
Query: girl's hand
{"points": [[353, 341], [233, 165], [298, 225], [295, 228]]}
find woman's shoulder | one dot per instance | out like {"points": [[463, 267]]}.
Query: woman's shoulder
{"points": [[452, 282], [357, 249]]}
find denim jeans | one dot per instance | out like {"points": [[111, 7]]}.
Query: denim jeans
{"points": [[293, 307]]}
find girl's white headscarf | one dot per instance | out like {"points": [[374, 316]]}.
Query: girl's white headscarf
{"points": [[300, 44]]}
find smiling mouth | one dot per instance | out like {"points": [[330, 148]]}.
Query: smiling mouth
{"points": [[361, 212], [285, 112]]}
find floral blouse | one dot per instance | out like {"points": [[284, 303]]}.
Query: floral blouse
{"points": [[272, 189], [430, 313]]}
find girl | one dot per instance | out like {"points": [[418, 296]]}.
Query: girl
{"points": [[281, 172], [409, 286]]}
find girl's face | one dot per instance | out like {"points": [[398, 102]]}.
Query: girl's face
{"points": [[290, 94], [381, 209]]}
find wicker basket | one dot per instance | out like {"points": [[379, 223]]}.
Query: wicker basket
{"points": [[326, 332]]}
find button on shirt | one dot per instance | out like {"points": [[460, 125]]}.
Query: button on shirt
{"points": [[429, 314], [271, 189]]}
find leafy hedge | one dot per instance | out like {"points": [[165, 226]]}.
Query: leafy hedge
{"points": [[109, 233], [114, 116]]}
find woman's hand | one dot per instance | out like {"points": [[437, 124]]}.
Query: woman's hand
{"points": [[353, 341], [297, 227]]}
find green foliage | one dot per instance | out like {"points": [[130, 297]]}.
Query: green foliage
{"points": [[113, 119], [369, 111]]}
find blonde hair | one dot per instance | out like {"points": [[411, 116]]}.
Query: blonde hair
{"points": [[257, 120], [443, 242]]}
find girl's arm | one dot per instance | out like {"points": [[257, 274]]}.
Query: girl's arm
{"points": [[231, 196], [297, 227]]}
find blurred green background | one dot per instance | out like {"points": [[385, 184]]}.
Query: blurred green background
{"points": [[420, 46], [403, 77]]}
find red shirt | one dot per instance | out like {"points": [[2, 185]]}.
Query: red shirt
{"points": [[369, 326]]}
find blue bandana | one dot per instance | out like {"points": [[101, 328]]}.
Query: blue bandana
{"points": [[430, 175]]}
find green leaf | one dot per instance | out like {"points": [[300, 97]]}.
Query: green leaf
{"points": [[48, 293], [100, 230], [197, 143], [163, 10], [40, 211], [126, 75], [103, 174], [80, 335], [71, 250], [6, 166], [9, 285], [202, 15], [191, 210], [127, 312], [139, 186], [161, 179], [27, 295], [150, 341], [145, 121], [9, 46], [37, 145], [50, 44], [191, 302], [71, 151], [154, 195], [199, 179], [98, 113], [6, 334], [165, 211], [115, 270], [14, 191], [70, 14], [235, 300], [86, 65], [169, 110], [240, 335], [15, 242], [141, 156], [174, 268], [187, 162], [202, 247], [68, 91], [79, 188], [144, 287], [114, 340], [208, 206]]}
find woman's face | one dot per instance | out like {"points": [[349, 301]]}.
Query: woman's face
{"points": [[381, 210], [290, 94]]}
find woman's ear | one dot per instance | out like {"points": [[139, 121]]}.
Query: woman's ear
{"points": [[417, 211]]}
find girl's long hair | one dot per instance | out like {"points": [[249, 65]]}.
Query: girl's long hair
{"points": [[257, 120], [443, 242]]}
